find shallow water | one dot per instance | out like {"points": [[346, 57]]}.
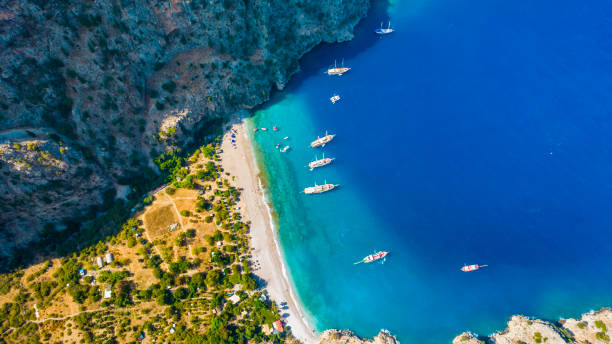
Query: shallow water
{"points": [[479, 132]]}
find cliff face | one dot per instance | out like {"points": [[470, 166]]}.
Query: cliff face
{"points": [[590, 328], [92, 91]]}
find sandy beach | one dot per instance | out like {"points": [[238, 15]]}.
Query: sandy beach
{"points": [[269, 264]]}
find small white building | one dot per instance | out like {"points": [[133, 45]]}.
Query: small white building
{"points": [[172, 227], [234, 298], [99, 261], [109, 258], [108, 291]]}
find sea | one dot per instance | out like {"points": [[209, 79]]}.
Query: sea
{"points": [[479, 132]]}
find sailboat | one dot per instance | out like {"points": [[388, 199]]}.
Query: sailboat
{"points": [[338, 70], [321, 141], [320, 162], [317, 189], [386, 31]]}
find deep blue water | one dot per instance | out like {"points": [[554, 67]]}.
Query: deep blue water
{"points": [[479, 132]]}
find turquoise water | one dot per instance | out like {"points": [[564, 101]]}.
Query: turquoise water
{"points": [[479, 132]]}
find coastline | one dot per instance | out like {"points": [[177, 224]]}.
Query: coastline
{"points": [[266, 252]]}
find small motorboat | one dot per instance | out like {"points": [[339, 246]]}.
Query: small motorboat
{"points": [[264, 129], [386, 31], [286, 138], [472, 267], [334, 99], [286, 148], [275, 128], [373, 257], [255, 129]]}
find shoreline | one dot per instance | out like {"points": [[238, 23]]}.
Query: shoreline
{"points": [[267, 256]]}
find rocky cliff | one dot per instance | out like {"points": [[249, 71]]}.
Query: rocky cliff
{"points": [[347, 337], [92, 91], [591, 328]]}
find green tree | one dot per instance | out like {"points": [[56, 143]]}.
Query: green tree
{"points": [[181, 293], [213, 278], [248, 282], [163, 297]]}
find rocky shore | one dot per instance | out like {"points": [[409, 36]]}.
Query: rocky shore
{"points": [[591, 328], [348, 337], [91, 93]]}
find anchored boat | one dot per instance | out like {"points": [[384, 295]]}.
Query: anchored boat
{"points": [[386, 31], [373, 257], [286, 148], [317, 189], [320, 162], [338, 70], [472, 267], [335, 98], [321, 141]]}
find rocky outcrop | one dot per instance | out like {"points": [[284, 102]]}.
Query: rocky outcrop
{"points": [[467, 338], [347, 337], [49, 174], [591, 328], [115, 83], [524, 330]]}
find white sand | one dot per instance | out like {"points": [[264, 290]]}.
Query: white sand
{"points": [[268, 261]]}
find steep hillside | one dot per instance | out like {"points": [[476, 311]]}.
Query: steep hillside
{"points": [[92, 92]]}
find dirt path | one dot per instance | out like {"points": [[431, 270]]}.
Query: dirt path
{"points": [[72, 315]]}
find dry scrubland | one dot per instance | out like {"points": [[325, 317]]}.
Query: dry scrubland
{"points": [[176, 263]]}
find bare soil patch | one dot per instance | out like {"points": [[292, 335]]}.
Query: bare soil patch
{"points": [[158, 218]]}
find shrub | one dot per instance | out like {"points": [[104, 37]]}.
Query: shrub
{"points": [[602, 336], [148, 200], [185, 213], [169, 86], [180, 267], [600, 325], [181, 239]]}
